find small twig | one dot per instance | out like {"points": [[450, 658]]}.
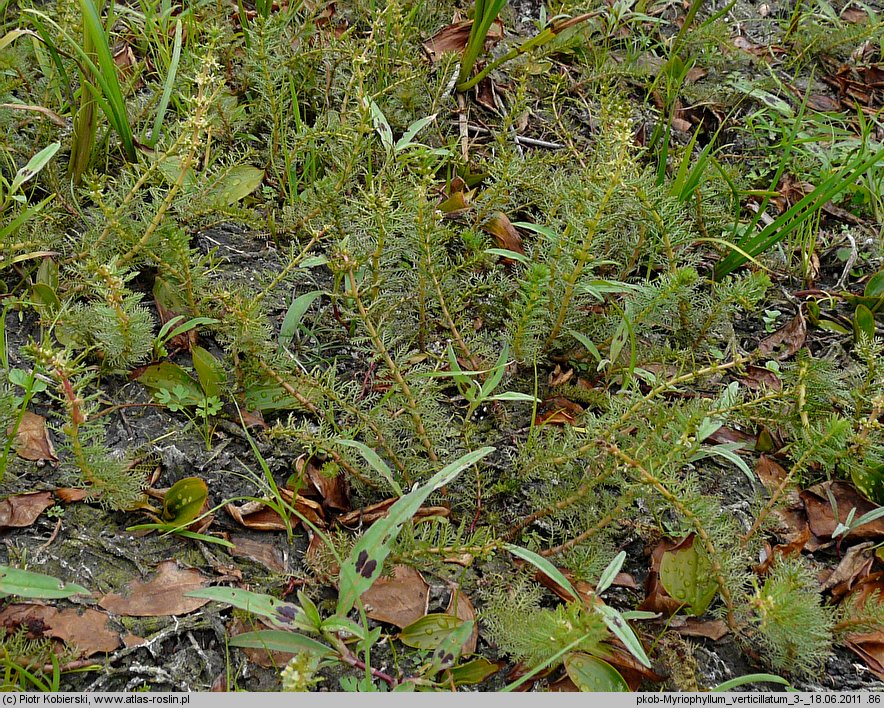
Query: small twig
{"points": [[464, 126], [520, 139], [841, 284], [52, 537]]}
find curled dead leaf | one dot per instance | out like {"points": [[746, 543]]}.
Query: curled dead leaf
{"points": [[821, 517], [32, 439], [21, 510], [460, 606], [504, 233]]}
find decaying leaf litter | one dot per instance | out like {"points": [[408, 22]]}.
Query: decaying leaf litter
{"points": [[228, 497]]}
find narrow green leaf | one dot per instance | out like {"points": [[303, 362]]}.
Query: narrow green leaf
{"points": [[366, 560], [413, 130], [621, 629], [282, 614], [749, 678], [295, 314], [38, 586], [35, 164], [373, 459], [543, 565], [168, 85], [609, 573], [277, 640]]}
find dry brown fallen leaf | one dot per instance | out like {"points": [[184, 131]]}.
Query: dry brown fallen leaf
{"points": [[853, 567], [161, 596], [822, 519], [373, 512], [32, 440], [258, 516], [454, 37], [786, 341], [770, 472], [399, 600], [459, 606], [266, 554], [86, 629], [22, 510], [695, 627], [756, 378], [558, 410], [332, 490], [784, 550], [868, 645], [504, 233]]}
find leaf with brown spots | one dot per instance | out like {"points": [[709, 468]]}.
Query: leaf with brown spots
{"points": [[399, 600], [22, 510], [786, 341], [163, 595], [32, 439], [86, 630]]}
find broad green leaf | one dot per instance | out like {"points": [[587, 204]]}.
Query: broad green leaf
{"points": [[869, 480], [875, 286], [166, 376], [366, 560], [543, 565], [313, 262], [295, 314], [590, 674], [35, 164], [282, 614], [373, 459], [234, 184], [209, 369], [38, 586], [184, 501], [864, 322], [278, 640], [170, 168], [473, 672], [429, 631], [686, 575], [269, 397], [831, 326]]}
